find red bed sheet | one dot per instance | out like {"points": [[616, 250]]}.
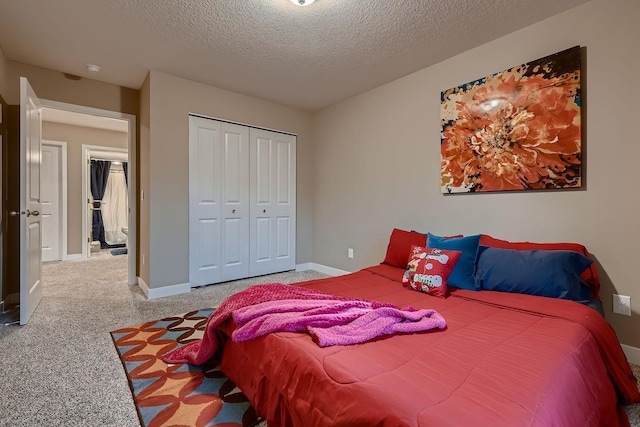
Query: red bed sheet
{"points": [[504, 360]]}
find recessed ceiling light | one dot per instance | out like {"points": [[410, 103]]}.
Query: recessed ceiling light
{"points": [[302, 2], [92, 68]]}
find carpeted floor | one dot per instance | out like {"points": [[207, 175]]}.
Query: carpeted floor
{"points": [[62, 369], [633, 411]]}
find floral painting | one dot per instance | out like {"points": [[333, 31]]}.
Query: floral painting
{"points": [[515, 130]]}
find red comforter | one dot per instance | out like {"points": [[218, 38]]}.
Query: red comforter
{"points": [[504, 360]]}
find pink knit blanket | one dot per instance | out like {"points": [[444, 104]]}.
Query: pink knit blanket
{"points": [[329, 319]]}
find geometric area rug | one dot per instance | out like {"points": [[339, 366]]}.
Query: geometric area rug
{"points": [[183, 394]]}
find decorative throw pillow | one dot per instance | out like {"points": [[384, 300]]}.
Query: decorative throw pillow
{"points": [[463, 275], [589, 275], [399, 248], [554, 273], [429, 269]]}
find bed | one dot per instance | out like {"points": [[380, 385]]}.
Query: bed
{"points": [[504, 359]]}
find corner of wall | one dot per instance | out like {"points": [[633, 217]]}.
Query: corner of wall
{"points": [[4, 76], [144, 177]]}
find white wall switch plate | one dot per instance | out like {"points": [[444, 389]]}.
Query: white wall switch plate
{"points": [[350, 252], [622, 304]]}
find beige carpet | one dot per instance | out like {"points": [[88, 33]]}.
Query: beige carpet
{"points": [[634, 410], [62, 369]]}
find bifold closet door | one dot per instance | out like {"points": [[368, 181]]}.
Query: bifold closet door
{"points": [[273, 202], [218, 201]]}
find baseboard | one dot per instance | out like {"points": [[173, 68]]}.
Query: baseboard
{"points": [[632, 353], [73, 257], [304, 267], [164, 291], [321, 269], [143, 286]]}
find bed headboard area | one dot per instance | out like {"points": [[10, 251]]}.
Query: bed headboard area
{"points": [[481, 262]]}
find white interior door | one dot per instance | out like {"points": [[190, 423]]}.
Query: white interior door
{"points": [[235, 202], [273, 202], [30, 207], [218, 201], [205, 194], [50, 192]]}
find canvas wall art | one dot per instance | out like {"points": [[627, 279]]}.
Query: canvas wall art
{"points": [[519, 129]]}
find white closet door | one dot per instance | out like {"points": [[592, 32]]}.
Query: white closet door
{"points": [[273, 202], [235, 202], [218, 201]]}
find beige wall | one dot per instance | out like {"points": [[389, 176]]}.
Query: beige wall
{"points": [[4, 76], [377, 159], [56, 86], [75, 137], [171, 99]]}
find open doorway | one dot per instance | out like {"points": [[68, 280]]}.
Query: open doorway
{"points": [[105, 188], [99, 136]]}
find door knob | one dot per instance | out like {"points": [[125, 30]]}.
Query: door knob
{"points": [[34, 213], [233, 211], [264, 211], [14, 213]]}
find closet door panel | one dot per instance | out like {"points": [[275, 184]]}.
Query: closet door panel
{"points": [[283, 174], [205, 190], [283, 237], [272, 229], [262, 171], [233, 246], [285, 196], [208, 254], [263, 240], [235, 178]]}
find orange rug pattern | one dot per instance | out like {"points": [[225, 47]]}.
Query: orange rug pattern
{"points": [[178, 395]]}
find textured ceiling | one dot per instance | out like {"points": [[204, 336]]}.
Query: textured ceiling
{"points": [[305, 57]]}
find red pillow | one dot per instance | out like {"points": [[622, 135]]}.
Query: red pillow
{"points": [[590, 275], [399, 247], [429, 270]]}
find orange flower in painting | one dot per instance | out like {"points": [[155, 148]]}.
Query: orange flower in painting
{"points": [[512, 133]]}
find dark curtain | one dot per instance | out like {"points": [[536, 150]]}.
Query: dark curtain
{"points": [[99, 175], [125, 166]]}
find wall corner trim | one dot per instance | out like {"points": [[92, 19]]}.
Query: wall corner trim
{"points": [[321, 269], [632, 353], [164, 291]]}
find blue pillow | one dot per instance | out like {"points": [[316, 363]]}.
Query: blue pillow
{"points": [[462, 275], [552, 273]]}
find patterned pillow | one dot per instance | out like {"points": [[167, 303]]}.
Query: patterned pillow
{"points": [[429, 269]]}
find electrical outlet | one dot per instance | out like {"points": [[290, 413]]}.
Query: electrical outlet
{"points": [[622, 304], [350, 252]]}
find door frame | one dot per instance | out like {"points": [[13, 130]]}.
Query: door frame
{"points": [[133, 167], [62, 196], [104, 153]]}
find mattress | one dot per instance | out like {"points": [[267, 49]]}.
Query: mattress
{"points": [[503, 360]]}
